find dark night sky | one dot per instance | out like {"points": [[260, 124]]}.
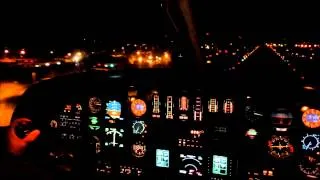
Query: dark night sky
{"points": [[57, 23], [52, 24]]}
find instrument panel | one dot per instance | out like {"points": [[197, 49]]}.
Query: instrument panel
{"points": [[186, 134]]}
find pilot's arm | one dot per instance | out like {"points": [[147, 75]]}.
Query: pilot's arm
{"points": [[12, 164]]}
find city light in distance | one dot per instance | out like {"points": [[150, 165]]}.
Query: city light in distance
{"points": [[150, 58]]}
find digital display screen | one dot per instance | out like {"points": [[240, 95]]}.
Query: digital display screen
{"points": [[114, 137], [113, 109], [162, 158], [191, 165], [69, 122], [220, 165], [94, 123]]}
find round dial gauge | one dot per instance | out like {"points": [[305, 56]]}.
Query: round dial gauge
{"points": [[94, 105], [311, 118], [310, 166], [280, 147], [138, 107], [139, 127], [139, 149], [310, 142]]}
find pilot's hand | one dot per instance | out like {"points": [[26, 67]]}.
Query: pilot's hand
{"points": [[16, 145]]}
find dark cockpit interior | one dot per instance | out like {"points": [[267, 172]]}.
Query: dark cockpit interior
{"points": [[196, 118]]}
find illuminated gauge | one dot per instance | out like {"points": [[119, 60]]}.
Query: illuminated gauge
{"points": [[113, 109], [213, 105], [169, 107], [155, 105], [132, 92], [67, 108], [138, 107], [311, 118], [78, 107], [282, 117], [191, 165], [310, 166], [183, 103], [139, 127], [197, 112], [280, 147], [130, 170], [139, 149], [310, 142], [114, 137], [94, 104], [228, 106], [251, 133], [96, 142]]}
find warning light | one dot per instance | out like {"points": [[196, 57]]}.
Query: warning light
{"points": [[251, 133], [304, 108]]}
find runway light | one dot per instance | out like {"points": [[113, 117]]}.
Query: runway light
{"points": [[77, 57]]}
